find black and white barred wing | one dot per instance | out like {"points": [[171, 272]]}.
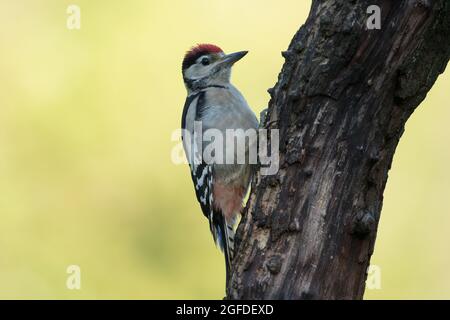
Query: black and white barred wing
{"points": [[223, 234], [202, 178]]}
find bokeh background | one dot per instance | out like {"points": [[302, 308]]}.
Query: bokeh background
{"points": [[86, 177]]}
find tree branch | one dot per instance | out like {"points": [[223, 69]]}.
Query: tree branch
{"points": [[341, 103]]}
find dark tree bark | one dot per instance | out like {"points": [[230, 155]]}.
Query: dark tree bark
{"points": [[341, 103]]}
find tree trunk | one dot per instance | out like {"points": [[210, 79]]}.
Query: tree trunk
{"points": [[341, 103]]}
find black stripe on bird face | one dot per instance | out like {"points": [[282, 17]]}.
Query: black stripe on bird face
{"points": [[192, 59]]}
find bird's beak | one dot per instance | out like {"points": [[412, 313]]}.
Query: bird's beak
{"points": [[232, 58]]}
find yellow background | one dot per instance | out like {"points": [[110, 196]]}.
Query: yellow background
{"points": [[86, 176]]}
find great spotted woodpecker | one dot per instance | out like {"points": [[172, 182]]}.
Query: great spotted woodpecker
{"points": [[215, 103]]}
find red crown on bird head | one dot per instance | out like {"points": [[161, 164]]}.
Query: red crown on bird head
{"points": [[197, 51]]}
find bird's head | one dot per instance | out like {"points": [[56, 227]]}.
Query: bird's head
{"points": [[206, 64]]}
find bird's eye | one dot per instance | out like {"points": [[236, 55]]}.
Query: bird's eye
{"points": [[205, 61]]}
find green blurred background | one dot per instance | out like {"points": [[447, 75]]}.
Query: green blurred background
{"points": [[86, 177]]}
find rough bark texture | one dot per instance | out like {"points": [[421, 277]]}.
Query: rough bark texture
{"points": [[341, 103]]}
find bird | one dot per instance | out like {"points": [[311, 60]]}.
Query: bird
{"points": [[213, 101]]}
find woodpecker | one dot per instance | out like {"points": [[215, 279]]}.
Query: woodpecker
{"points": [[212, 100]]}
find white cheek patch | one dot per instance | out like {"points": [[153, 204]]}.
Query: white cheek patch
{"points": [[192, 72], [197, 72]]}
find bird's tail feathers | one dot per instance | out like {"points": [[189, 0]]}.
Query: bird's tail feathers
{"points": [[224, 236]]}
